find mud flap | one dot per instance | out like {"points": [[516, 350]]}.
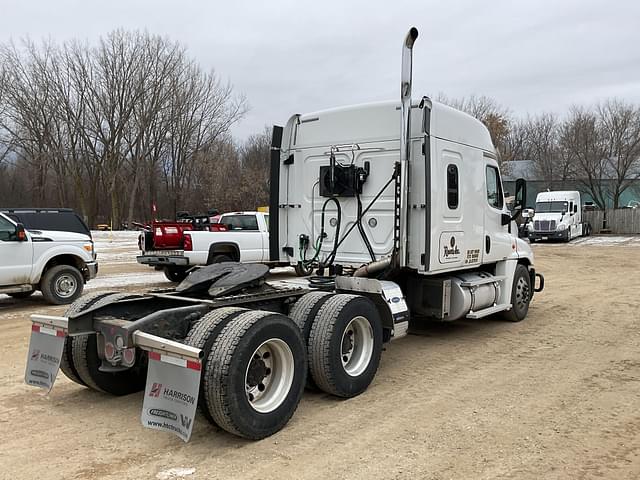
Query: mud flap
{"points": [[171, 394], [44, 355]]}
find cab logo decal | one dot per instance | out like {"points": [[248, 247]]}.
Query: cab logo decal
{"points": [[452, 249]]}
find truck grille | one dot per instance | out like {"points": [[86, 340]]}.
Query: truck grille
{"points": [[544, 225]]}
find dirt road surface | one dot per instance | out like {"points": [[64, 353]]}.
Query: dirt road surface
{"points": [[556, 397]]}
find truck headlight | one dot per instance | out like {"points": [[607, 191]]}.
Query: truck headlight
{"points": [[561, 227]]}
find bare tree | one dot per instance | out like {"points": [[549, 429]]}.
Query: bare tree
{"points": [[255, 155], [552, 163], [619, 123], [202, 111], [30, 108], [581, 138], [87, 123]]}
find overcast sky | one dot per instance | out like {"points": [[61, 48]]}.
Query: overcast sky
{"points": [[296, 56]]}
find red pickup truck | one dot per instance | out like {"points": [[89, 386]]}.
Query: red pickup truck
{"points": [[163, 243]]}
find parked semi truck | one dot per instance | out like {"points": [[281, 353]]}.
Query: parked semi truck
{"points": [[558, 216], [399, 208]]}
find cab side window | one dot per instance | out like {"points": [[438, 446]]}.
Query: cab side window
{"points": [[241, 222], [7, 230], [452, 187], [494, 188]]}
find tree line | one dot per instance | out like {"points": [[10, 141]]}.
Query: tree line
{"points": [[116, 128], [132, 122]]}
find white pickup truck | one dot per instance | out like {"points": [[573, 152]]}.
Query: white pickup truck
{"points": [[58, 263], [246, 240]]}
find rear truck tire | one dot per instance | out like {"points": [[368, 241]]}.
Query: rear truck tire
{"points": [[255, 374], [87, 362], [62, 284], [520, 295], [175, 275], [345, 345], [304, 313], [66, 362], [303, 271], [202, 335], [221, 258], [21, 295]]}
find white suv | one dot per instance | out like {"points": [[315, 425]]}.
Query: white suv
{"points": [[57, 263]]}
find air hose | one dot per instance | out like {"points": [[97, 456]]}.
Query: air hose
{"points": [[323, 235], [336, 243]]}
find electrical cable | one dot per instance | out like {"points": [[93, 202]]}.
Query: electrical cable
{"points": [[323, 234], [393, 177], [332, 255], [363, 234], [358, 223]]}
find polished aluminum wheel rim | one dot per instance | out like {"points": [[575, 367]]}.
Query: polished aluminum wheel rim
{"points": [[357, 346], [269, 375]]}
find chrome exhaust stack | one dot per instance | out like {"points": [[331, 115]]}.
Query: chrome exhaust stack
{"points": [[405, 134], [405, 92]]}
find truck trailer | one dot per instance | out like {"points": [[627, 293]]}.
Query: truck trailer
{"points": [[397, 207], [558, 216]]}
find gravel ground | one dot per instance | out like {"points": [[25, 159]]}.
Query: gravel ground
{"points": [[553, 397]]}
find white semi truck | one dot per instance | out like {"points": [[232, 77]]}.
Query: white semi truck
{"points": [[399, 207], [558, 216]]}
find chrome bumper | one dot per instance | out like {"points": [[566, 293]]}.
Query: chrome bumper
{"points": [[163, 260]]}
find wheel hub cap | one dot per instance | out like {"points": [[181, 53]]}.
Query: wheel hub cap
{"points": [[269, 375], [357, 346], [65, 286]]}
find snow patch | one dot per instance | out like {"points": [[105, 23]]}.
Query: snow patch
{"points": [[116, 247], [599, 241]]}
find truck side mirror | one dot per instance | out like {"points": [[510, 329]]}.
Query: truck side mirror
{"points": [[520, 198], [520, 195], [20, 234]]}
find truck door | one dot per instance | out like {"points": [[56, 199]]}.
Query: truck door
{"points": [[15, 256], [498, 242]]}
